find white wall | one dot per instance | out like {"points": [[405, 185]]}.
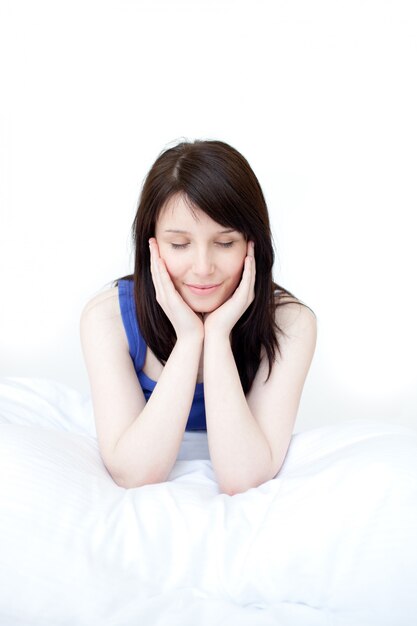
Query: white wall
{"points": [[320, 96]]}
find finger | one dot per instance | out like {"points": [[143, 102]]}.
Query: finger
{"points": [[250, 248], [249, 274], [243, 290], [253, 269], [155, 269], [155, 255], [250, 267], [154, 251], [152, 259], [164, 276], [252, 285], [164, 286], [154, 245]]}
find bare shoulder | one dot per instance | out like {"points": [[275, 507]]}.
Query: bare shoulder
{"points": [[101, 319], [103, 305], [295, 318]]}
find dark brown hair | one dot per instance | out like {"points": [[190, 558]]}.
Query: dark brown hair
{"points": [[216, 178]]}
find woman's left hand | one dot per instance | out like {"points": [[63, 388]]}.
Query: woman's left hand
{"points": [[223, 319]]}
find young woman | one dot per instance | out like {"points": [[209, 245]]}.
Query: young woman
{"points": [[200, 337]]}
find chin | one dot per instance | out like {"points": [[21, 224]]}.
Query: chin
{"points": [[203, 308]]}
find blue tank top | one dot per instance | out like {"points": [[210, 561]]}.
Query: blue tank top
{"points": [[137, 350]]}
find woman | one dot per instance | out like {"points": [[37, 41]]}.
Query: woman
{"points": [[198, 337]]}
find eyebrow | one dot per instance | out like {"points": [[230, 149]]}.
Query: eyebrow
{"points": [[185, 232]]}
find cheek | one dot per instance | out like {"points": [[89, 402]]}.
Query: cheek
{"points": [[173, 264], [236, 269], [239, 263]]}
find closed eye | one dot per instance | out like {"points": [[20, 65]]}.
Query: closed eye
{"points": [[179, 246]]}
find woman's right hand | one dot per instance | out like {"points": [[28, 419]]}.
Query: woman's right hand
{"points": [[185, 321]]}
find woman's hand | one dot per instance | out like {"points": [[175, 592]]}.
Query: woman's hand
{"points": [[222, 320], [181, 316]]}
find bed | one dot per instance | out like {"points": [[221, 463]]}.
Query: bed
{"points": [[332, 540]]}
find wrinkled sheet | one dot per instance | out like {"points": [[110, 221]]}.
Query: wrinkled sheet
{"points": [[332, 540]]}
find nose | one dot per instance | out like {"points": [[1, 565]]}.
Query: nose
{"points": [[203, 264]]}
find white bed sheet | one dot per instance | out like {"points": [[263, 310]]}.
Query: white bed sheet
{"points": [[331, 541]]}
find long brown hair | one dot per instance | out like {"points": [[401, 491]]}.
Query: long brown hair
{"points": [[216, 178]]}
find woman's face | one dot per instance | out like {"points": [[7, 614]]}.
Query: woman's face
{"points": [[204, 259]]}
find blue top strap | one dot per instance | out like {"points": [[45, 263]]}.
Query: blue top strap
{"points": [[137, 351]]}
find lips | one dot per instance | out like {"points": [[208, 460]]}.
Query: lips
{"points": [[203, 286], [203, 290]]}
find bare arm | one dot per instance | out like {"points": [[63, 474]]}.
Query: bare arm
{"points": [[249, 436], [138, 441], [147, 450]]}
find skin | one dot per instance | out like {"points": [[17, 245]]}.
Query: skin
{"points": [[248, 436], [201, 254], [207, 321]]}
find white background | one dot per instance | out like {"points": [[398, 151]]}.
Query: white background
{"points": [[321, 98]]}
